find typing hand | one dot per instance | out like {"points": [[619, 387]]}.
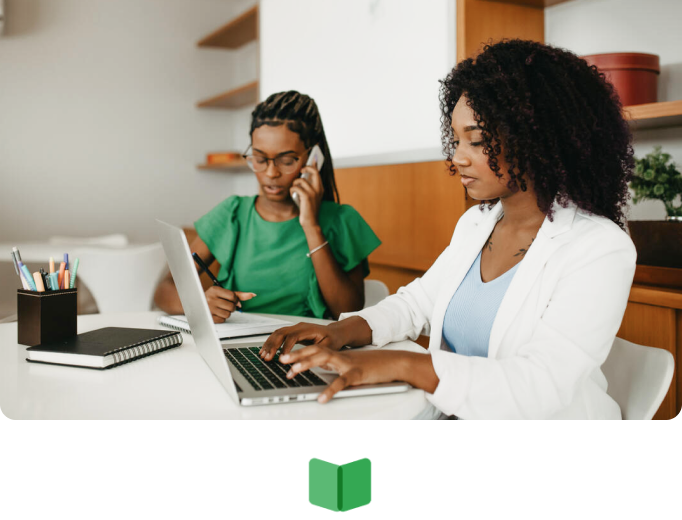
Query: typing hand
{"points": [[354, 367], [306, 333]]}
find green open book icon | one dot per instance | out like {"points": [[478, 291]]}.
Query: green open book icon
{"points": [[340, 488]]}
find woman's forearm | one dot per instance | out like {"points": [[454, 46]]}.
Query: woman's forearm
{"points": [[338, 290], [416, 369], [353, 331], [167, 298]]}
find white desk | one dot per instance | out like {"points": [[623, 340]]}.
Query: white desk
{"points": [[175, 384]]}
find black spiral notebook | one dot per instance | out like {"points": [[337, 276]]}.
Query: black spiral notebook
{"points": [[105, 348]]}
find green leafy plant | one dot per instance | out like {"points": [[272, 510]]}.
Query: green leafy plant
{"points": [[657, 178]]}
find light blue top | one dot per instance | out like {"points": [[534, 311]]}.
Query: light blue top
{"points": [[472, 310]]}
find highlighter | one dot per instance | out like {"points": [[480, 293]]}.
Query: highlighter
{"points": [[54, 281], [73, 274], [28, 277], [62, 268], [38, 280]]}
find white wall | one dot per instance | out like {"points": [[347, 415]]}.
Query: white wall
{"points": [[372, 66], [600, 26], [98, 127], [99, 132]]}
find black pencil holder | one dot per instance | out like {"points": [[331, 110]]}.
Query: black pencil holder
{"points": [[44, 317]]}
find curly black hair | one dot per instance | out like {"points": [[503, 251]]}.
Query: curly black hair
{"points": [[557, 118]]}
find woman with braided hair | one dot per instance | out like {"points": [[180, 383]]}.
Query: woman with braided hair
{"points": [[276, 256], [523, 307]]}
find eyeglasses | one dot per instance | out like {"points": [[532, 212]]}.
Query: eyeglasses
{"points": [[285, 164]]}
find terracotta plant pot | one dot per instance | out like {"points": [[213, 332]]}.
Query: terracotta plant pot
{"points": [[634, 75], [658, 243]]}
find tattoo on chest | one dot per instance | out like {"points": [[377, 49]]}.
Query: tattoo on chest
{"points": [[522, 251]]}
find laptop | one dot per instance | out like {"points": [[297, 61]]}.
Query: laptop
{"points": [[245, 376]]}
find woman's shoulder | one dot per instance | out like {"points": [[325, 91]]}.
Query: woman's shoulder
{"points": [[229, 208], [233, 203], [597, 229], [333, 214], [224, 214]]}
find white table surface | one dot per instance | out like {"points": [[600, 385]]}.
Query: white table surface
{"points": [[175, 384]]}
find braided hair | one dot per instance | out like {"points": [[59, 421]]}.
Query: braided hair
{"points": [[556, 117], [299, 113]]}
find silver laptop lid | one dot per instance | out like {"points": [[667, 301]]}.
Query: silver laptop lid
{"points": [[194, 303]]}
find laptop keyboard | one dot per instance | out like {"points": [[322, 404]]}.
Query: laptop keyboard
{"points": [[268, 375]]}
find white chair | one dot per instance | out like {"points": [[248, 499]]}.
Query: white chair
{"points": [[122, 280], [638, 377], [375, 291]]}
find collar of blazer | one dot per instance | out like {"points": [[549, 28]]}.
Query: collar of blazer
{"points": [[466, 247]]}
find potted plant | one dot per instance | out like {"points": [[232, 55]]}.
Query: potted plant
{"points": [[658, 243]]}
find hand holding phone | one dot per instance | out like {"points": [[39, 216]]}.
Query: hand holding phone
{"points": [[317, 157]]}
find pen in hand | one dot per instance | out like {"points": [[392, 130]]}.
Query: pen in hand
{"points": [[203, 267]]}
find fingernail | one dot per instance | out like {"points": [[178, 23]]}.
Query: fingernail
{"points": [[284, 358], [290, 374], [322, 399], [297, 367]]}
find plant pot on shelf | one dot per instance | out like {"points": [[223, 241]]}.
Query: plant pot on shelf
{"points": [[634, 75], [658, 242]]}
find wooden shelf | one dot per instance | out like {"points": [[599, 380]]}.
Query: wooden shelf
{"points": [[234, 34], [540, 4], [235, 98], [654, 115], [236, 166]]}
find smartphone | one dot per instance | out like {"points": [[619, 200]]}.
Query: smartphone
{"points": [[315, 156]]}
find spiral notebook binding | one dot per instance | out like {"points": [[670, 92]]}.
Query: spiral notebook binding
{"points": [[171, 323], [138, 351]]}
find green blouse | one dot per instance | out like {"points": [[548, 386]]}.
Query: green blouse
{"points": [[269, 258]]}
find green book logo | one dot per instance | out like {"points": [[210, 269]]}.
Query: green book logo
{"points": [[340, 488]]}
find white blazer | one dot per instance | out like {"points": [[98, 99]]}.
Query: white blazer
{"points": [[553, 330]]}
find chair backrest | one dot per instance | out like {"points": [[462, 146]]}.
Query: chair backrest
{"points": [[122, 280], [638, 377], [375, 291]]}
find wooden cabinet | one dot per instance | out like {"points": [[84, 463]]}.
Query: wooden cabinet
{"points": [[654, 318]]}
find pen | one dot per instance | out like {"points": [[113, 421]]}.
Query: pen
{"points": [[46, 280], [51, 265], [14, 259], [67, 279], [66, 260], [215, 281], [204, 268], [62, 268], [18, 270]]}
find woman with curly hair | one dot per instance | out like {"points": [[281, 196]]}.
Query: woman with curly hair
{"points": [[523, 306]]}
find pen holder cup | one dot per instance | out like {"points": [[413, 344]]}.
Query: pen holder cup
{"points": [[44, 317]]}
